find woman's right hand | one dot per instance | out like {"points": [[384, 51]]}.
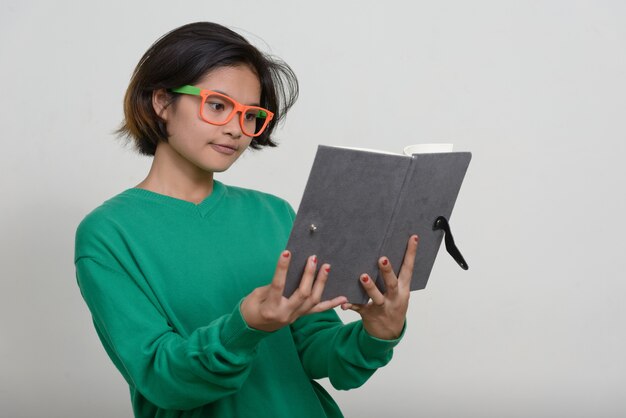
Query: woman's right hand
{"points": [[266, 308]]}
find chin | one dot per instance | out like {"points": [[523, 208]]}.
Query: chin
{"points": [[213, 165], [217, 169]]}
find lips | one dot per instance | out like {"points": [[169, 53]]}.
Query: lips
{"points": [[224, 148]]}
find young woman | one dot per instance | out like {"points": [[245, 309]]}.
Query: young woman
{"points": [[180, 272]]}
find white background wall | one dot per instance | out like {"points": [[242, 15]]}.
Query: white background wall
{"points": [[535, 89]]}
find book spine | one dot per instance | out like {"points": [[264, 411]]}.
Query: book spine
{"points": [[386, 244]]}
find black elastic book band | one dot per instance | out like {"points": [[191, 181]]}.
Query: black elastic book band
{"points": [[441, 223]]}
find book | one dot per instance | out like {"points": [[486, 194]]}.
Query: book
{"points": [[359, 205]]}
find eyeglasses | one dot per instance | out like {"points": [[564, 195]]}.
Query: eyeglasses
{"points": [[218, 109]]}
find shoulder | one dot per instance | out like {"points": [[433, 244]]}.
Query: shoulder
{"points": [[101, 224], [108, 211], [259, 200]]}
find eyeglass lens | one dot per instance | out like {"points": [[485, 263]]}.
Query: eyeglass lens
{"points": [[218, 109]]}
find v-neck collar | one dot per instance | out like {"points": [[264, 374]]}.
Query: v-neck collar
{"points": [[204, 208]]}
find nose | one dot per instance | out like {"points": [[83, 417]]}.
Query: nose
{"points": [[233, 127]]}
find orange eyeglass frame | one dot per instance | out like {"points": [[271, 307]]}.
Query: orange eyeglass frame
{"points": [[237, 108]]}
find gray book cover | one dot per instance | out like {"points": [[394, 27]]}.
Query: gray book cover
{"points": [[359, 205]]}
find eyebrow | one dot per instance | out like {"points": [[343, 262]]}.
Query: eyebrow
{"points": [[226, 94]]}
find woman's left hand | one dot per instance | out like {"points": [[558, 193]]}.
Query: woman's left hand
{"points": [[384, 315]]}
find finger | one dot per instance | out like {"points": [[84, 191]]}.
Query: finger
{"points": [[302, 299], [328, 304], [351, 306], [280, 275], [389, 277], [320, 283], [406, 271], [306, 281], [371, 290]]}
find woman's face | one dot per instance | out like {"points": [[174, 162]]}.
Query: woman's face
{"points": [[200, 145]]}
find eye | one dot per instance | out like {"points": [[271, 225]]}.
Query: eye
{"points": [[216, 106], [255, 115], [251, 115]]}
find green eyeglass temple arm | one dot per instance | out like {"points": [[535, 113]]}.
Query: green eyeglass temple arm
{"points": [[194, 91]]}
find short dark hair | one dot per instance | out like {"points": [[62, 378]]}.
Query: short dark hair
{"points": [[185, 55]]}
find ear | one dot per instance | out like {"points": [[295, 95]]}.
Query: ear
{"points": [[160, 99]]}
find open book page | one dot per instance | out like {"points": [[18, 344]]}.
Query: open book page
{"points": [[410, 149], [428, 148], [371, 150]]}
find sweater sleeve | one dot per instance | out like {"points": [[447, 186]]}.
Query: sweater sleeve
{"points": [[346, 354], [170, 371]]}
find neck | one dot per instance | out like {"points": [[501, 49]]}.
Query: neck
{"points": [[172, 175]]}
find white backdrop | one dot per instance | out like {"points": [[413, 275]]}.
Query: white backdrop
{"points": [[535, 89]]}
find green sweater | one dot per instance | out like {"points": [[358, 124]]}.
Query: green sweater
{"points": [[164, 278]]}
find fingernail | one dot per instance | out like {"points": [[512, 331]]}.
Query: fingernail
{"points": [[415, 238], [385, 261], [314, 259], [285, 254], [364, 278], [327, 269]]}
